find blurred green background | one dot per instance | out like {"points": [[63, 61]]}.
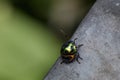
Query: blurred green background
{"points": [[31, 37]]}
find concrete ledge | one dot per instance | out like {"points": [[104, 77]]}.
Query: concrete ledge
{"points": [[100, 34]]}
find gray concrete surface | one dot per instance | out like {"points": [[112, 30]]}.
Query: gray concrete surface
{"points": [[100, 34]]}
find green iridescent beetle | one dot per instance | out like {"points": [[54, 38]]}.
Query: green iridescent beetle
{"points": [[69, 52]]}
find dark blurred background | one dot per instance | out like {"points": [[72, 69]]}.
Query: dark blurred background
{"points": [[32, 32]]}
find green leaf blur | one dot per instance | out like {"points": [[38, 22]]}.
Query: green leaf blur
{"points": [[27, 48]]}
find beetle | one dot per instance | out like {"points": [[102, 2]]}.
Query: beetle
{"points": [[69, 52]]}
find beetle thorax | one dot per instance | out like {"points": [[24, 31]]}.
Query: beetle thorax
{"points": [[68, 48]]}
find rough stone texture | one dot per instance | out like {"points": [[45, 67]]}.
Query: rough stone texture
{"points": [[100, 34]]}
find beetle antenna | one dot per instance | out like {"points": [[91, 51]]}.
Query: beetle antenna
{"points": [[75, 39], [78, 45]]}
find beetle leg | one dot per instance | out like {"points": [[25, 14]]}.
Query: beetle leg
{"points": [[79, 56], [79, 45], [77, 60], [62, 62]]}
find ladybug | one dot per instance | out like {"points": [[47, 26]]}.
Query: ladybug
{"points": [[69, 52]]}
